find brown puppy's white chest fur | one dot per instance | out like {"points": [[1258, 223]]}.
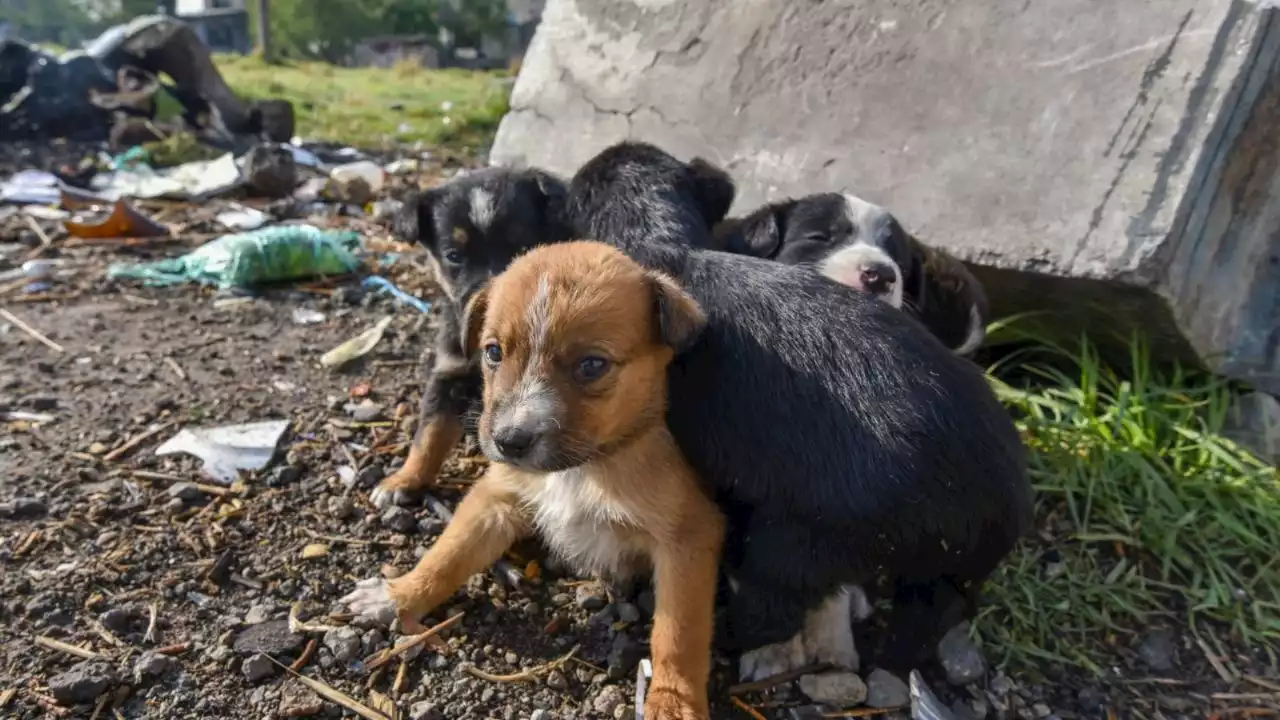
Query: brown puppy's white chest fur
{"points": [[584, 523]]}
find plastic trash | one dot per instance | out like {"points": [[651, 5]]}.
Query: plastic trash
{"points": [[377, 281], [281, 252], [124, 222], [30, 186], [307, 316], [229, 449], [135, 158], [357, 346], [191, 181], [241, 218], [33, 270], [356, 182]]}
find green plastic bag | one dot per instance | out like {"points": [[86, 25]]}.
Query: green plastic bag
{"points": [[282, 252]]}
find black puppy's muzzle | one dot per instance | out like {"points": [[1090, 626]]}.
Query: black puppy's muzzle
{"points": [[877, 278]]}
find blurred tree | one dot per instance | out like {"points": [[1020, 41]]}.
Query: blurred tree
{"points": [[64, 22]]}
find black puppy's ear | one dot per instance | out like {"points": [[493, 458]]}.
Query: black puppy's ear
{"points": [[553, 196], [760, 233], [413, 223], [680, 318], [914, 285], [473, 321], [713, 189]]}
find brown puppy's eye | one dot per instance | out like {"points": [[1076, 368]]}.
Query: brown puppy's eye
{"points": [[591, 368], [492, 354]]}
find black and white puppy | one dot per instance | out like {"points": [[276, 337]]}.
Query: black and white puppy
{"points": [[847, 445], [472, 228], [862, 245]]}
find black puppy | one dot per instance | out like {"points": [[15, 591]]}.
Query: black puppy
{"points": [[472, 228], [862, 245], [847, 445]]}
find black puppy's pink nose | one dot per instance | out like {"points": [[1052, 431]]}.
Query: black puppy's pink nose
{"points": [[877, 278]]}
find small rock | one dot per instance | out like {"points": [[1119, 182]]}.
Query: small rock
{"points": [[185, 491], [284, 475], [561, 599], [24, 508], [624, 656], [271, 637], [370, 476], [153, 666], [296, 700], [341, 507], [960, 657], [628, 613], [372, 641], [623, 711], [1157, 650], [117, 620], [540, 714], [1041, 711], [1253, 421], [885, 690], [270, 171], [557, 681], [364, 411], [841, 689], [82, 684], [608, 699], [647, 602], [511, 658], [345, 644], [431, 525], [97, 448], [1001, 685], [258, 614], [398, 519], [590, 597], [258, 667], [425, 710]]}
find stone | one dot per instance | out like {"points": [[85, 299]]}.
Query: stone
{"points": [[270, 171], [425, 710], [345, 643], [24, 509], [185, 491], [628, 613], [590, 597], [1157, 649], [82, 684], [257, 668], [284, 475], [370, 475], [117, 620], [1253, 421], [271, 637], [153, 666], [886, 690], [608, 699], [258, 614], [297, 700], [398, 519], [341, 507], [364, 411], [624, 656], [960, 658], [540, 714], [839, 689], [557, 681], [1128, 157]]}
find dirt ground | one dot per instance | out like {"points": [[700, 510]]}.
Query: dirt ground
{"points": [[134, 587]]}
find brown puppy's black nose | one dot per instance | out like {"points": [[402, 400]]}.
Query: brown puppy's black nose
{"points": [[877, 278], [513, 441]]}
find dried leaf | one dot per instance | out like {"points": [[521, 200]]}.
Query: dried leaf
{"points": [[533, 570], [315, 550]]}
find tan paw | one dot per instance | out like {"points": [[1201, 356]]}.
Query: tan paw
{"points": [[670, 705], [399, 488]]}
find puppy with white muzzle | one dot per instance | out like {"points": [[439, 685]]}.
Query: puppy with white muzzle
{"points": [[576, 340], [862, 245]]}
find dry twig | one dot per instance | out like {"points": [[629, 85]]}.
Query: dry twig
{"points": [[58, 645], [31, 331], [135, 441], [150, 637], [333, 695], [524, 675], [776, 680], [305, 657], [413, 642], [755, 714]]}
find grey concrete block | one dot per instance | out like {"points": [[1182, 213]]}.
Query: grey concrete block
{"points": [[1117, 160]]}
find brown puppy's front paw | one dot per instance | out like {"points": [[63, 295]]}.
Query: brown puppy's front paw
{"points": [[399, 488], [665, 704]]}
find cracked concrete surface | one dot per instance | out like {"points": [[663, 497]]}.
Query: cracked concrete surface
{"points": [[1107, 159]]}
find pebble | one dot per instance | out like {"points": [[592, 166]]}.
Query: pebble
{"points": [[557, 681], [590, 597], [540, 714], [284, 475], [841, 689], [1157, 649], [341, 507], [398, 519], [561, 599], [431, 525], [21, 508], [296, 700], [1040, 710], [372, 641], [624, 656], [153, 666], [885, 690], [425, 710], [82, 684], [608, 700], [117, 620], [185, 491], [370, 476], [258, 667], [365, 411], [1001, 685], [647, 602], [271, 637], [960, 657], [345, 644], [258, 614], [628, 613], [511, 658]]}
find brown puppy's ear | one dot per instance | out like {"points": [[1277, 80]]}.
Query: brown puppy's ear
{"points": [[680, 318], [413, 223], [473, 321], [713, 189], [760, 233]]}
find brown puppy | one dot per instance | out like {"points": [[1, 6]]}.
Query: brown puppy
{"points": [[575, 341]]}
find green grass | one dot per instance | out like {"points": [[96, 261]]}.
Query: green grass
{"points": [[1152, 514], [355, 105]]}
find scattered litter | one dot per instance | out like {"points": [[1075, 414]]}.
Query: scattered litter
{"points": [[44, 212], [191, 181], [377, 281], [924, 704], [356, 182], [404, 166], [303, 156], [644, 674], [135, 158], [357, 346], [124, 222], [282, 252], [307, 316], [242, 219], [30, 186], [227, 450], [39, 269], [311, 190], [23, 416]]}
